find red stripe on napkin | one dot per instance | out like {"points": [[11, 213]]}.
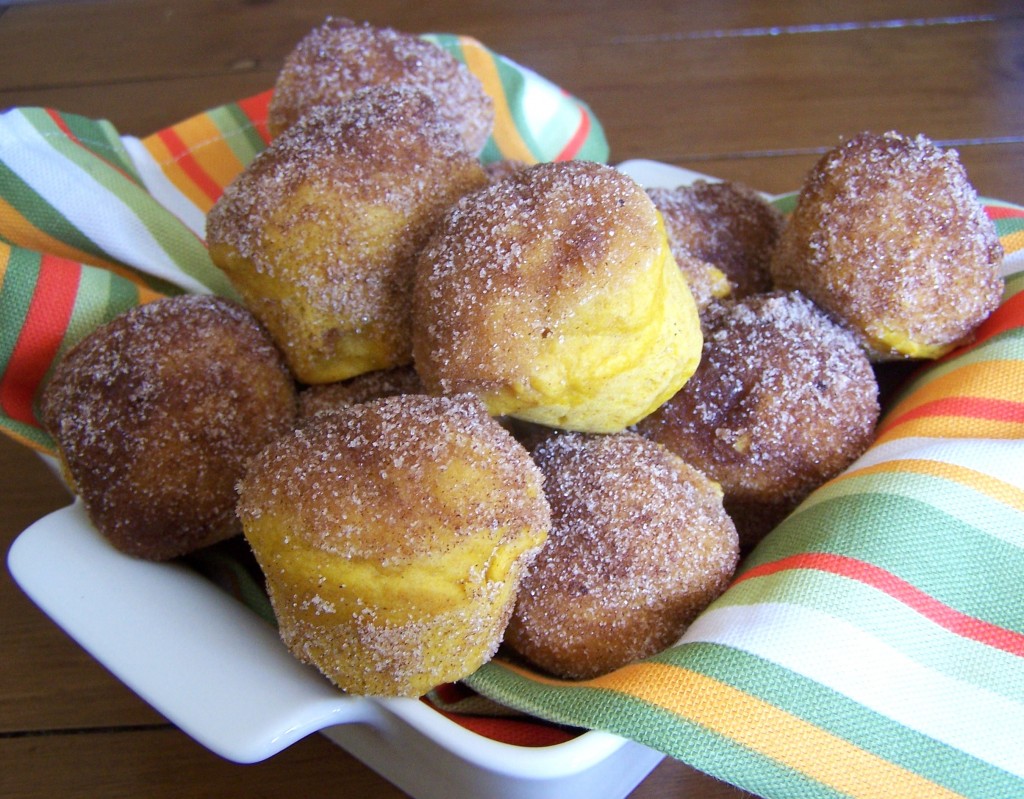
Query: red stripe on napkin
{"points": [[1001, 212], [578, 139], [515, 732], [967, 407], [59, 121], [1007, 316], [46, 321], [257, 108], [179, 152], [928, 606]]}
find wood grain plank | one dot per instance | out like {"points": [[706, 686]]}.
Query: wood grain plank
{"points": [[957, 83], [771, 95], [202, 37]]}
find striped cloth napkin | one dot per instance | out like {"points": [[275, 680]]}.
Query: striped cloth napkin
{"points": [[873, 645]]}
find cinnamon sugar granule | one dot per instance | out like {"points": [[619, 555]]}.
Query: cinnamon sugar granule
{"points": [[722, 224], [156, 415]]}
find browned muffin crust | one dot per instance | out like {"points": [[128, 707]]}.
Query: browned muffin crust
{"points": [[340, 57], [889, 236], [552, 295], [784, 398], [724, 224], [363, 388], [157, 414], [320, 232], [393, 535], [639, 545]]}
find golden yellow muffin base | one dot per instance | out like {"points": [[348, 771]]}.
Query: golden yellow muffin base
{"points": [[386, 631], [319, 241], [615, 359], [392, 536], [580, 320], [320, 231]]}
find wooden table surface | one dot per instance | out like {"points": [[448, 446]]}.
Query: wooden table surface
{"points": [[749, 91]]}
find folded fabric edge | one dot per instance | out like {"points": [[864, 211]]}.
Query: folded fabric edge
{"points": [[748, 730]]}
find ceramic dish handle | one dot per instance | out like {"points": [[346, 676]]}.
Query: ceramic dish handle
{"points": [[212, 667]]}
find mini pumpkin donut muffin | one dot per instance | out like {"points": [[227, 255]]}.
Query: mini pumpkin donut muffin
{"points": [[554, 297], [319, 233], [393, 535], [156, 414], [340, 57], [639, 545], [783, 400], [722, 235], [362, 388], [889, 236]]}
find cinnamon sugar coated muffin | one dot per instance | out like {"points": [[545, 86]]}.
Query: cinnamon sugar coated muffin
{"points": [[156, 414], [639, 545], [783, 400], [722, 236], [340, 57], [553, 296], [392, 535], [320, 231], [889, 236]]}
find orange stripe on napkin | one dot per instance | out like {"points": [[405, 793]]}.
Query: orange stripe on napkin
{"points": [[996, 489], [791, 741], [1009, 315], [481, 64], [956, 426], [213, 162], [956, 417], [975, 391], [170, 152], [22, 233], [1012, 242], [762, 727]]}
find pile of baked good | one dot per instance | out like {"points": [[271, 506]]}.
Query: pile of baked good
{"points": [[538, 405]]}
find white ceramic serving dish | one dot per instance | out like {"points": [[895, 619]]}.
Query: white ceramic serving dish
{"points": [[220, 673]]}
